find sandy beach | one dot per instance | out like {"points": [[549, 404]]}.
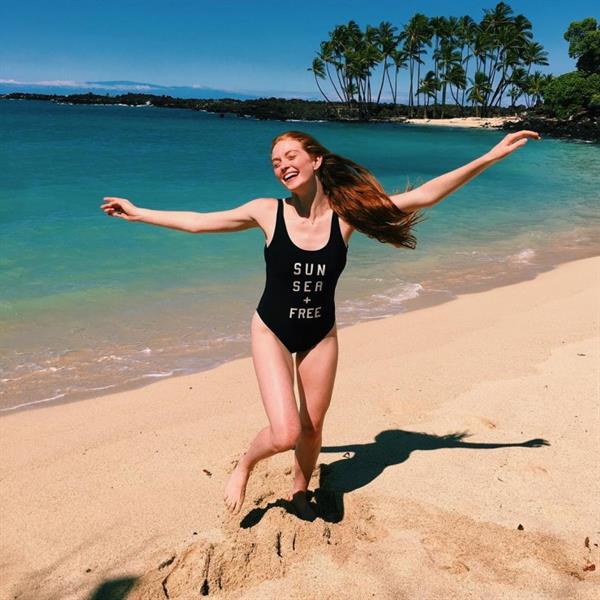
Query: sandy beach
{"points": [[459, 461], [466, 121]]}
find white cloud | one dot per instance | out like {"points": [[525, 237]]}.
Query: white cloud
{"points": [[81, 84]]}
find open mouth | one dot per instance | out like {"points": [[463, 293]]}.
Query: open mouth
{"points": [[290, 175]]}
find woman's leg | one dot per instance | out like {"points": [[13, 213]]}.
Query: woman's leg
{"points": [[274, 367], [316, 370]]}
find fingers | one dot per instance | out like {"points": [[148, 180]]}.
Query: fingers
{"points": [[523, 133], [113, 211], [112, 207]]}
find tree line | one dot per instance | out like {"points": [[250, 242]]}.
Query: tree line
{"points": [[473, 64]]}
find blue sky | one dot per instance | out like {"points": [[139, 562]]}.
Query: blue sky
{"points": [[253, 46]]}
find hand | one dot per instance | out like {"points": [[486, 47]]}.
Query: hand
{"points": [[536, 443], [511, 142], [120, 207]]}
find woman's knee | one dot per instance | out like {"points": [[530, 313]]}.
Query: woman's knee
{"points": [[312, 431], [285, 437]]}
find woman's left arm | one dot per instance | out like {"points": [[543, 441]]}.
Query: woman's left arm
{"points": [[435, 190]]}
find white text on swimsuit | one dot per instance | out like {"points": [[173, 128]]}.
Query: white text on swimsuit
{"points": [[305, 287]]}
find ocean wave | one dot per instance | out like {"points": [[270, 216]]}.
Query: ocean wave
{"points": [[306, 120], [406, 292], [164, 374], [32, 402], [522, 257]]}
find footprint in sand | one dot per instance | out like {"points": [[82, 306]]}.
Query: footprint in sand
{"points": [[264, 545]]}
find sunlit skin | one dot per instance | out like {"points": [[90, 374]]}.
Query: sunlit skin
{"points": [[296, 170]]}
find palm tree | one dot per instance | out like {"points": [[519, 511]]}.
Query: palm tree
{"points": [[483, 45], [518, 83], [537, 84], [470, 31], [426, 32], [513, 38], [413, 35], [534, 54], [340, 40], [480, 88], [430, 84], [386, 41], [456, 76], [449, 57], [514, 93], [370, 56], [399, 58], [500, 48], [327, 57], [532, 86], [318, 70], [437, 25]]}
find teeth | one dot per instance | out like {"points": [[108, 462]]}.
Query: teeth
{"points": [[288, 177]]}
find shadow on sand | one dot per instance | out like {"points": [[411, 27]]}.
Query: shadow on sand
{"points": [[113, 589], [363, 463]]}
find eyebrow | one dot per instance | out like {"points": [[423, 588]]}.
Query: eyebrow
{"points": [[292, 150]]}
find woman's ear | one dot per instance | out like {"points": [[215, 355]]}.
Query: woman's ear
{"points": [[317, 163]]}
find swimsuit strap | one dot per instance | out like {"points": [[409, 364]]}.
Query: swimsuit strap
{"points": [[336, 227]]}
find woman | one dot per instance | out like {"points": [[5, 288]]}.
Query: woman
{"points": [[306, 240]]}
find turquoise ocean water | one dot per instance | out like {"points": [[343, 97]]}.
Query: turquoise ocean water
{"points": [[90, 304]]}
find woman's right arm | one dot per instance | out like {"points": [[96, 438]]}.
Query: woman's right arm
{"points": [[236, 219]]}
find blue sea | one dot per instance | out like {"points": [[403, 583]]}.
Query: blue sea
{"points": [[91, 304]]}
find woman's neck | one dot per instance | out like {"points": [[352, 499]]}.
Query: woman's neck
{"points": [[311, 203]]}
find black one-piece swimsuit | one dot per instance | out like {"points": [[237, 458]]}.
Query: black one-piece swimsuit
{"points": [[298, 303]]}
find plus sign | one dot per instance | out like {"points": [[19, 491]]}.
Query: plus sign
{"points": [[306, 300]]}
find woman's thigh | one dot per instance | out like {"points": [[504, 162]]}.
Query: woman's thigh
{"points": [[316, 369], [274, 368]]}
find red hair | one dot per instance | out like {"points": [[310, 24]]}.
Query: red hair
{"points": [[357, 196]]}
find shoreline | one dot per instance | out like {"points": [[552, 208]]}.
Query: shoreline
{"points": [[128, 487], [417, 303], [482, 122], [311, 111]]}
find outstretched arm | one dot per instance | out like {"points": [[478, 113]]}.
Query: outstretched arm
{"points": [[437, 189], [236, 219]]}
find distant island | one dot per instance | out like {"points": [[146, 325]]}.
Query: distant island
{"points": [[584, 127]]}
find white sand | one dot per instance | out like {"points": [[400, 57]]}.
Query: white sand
{"points": [[108, 489], [466, 121]]}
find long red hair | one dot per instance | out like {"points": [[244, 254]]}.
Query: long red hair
{"points": [[357, 196]]}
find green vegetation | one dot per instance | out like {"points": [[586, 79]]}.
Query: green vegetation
{"points": [[584, 44], [474, 64], [572, 95], [577, 94]]}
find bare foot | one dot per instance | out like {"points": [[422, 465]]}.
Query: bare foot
{"points": [[304, 509], [235, 489]]}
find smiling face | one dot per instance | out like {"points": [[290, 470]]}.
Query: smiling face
{"points": [[292, 165]]}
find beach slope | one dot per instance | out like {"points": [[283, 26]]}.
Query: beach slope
{"points": [[459, 461]]}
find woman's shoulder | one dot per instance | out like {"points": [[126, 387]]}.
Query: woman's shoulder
{"points": [[263, 210], [266, 202], [265, 205]]}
